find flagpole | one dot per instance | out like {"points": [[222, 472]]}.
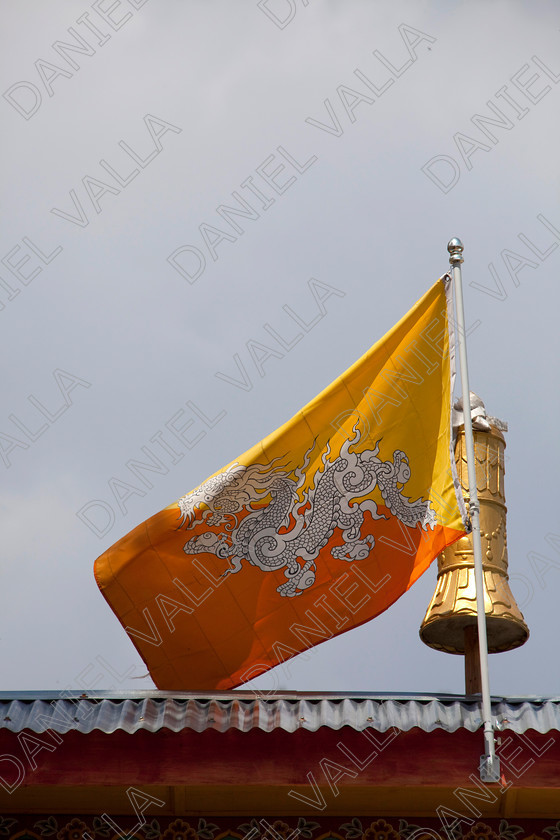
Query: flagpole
{"points": [[489, 763]]}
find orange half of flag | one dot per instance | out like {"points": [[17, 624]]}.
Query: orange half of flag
{"points": [[315, 530]]}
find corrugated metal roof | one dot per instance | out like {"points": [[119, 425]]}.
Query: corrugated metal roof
{"points": [[244, 711]]}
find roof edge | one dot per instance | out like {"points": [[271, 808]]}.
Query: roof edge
{"points": [[147, 694]]}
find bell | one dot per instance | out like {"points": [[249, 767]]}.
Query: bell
{"points": [[451, 620]]}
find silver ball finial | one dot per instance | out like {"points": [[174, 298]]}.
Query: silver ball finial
{"points": [[455, 248]]}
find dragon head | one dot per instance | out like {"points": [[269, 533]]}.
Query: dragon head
{"points": [[210, 543]]}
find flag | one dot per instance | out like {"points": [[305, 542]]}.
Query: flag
{"points": [[315, 530]]}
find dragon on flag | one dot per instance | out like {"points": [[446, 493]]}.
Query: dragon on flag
{"points": [[329, 503]]}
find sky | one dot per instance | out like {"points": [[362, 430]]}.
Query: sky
{"points": [[129, 322]]}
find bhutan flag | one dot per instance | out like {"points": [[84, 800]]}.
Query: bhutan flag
{"points": [[315, 530]]}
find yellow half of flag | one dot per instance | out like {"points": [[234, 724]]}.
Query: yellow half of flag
{"points": [[318, 528]]}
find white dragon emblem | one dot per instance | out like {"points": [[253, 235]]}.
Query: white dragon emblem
{"points": [[308, 519]]}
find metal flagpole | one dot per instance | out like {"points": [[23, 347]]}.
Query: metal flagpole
{"points": [[489, 763]]}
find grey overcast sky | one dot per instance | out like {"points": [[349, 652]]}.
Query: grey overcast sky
{"points": [[131, 325]]}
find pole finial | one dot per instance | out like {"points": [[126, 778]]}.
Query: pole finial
{"points": [[455, 248]]}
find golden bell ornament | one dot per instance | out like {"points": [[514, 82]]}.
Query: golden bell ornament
{"points": [[451, 619]]}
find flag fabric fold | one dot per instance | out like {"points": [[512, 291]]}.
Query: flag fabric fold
{"points": [[317, 529]]}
